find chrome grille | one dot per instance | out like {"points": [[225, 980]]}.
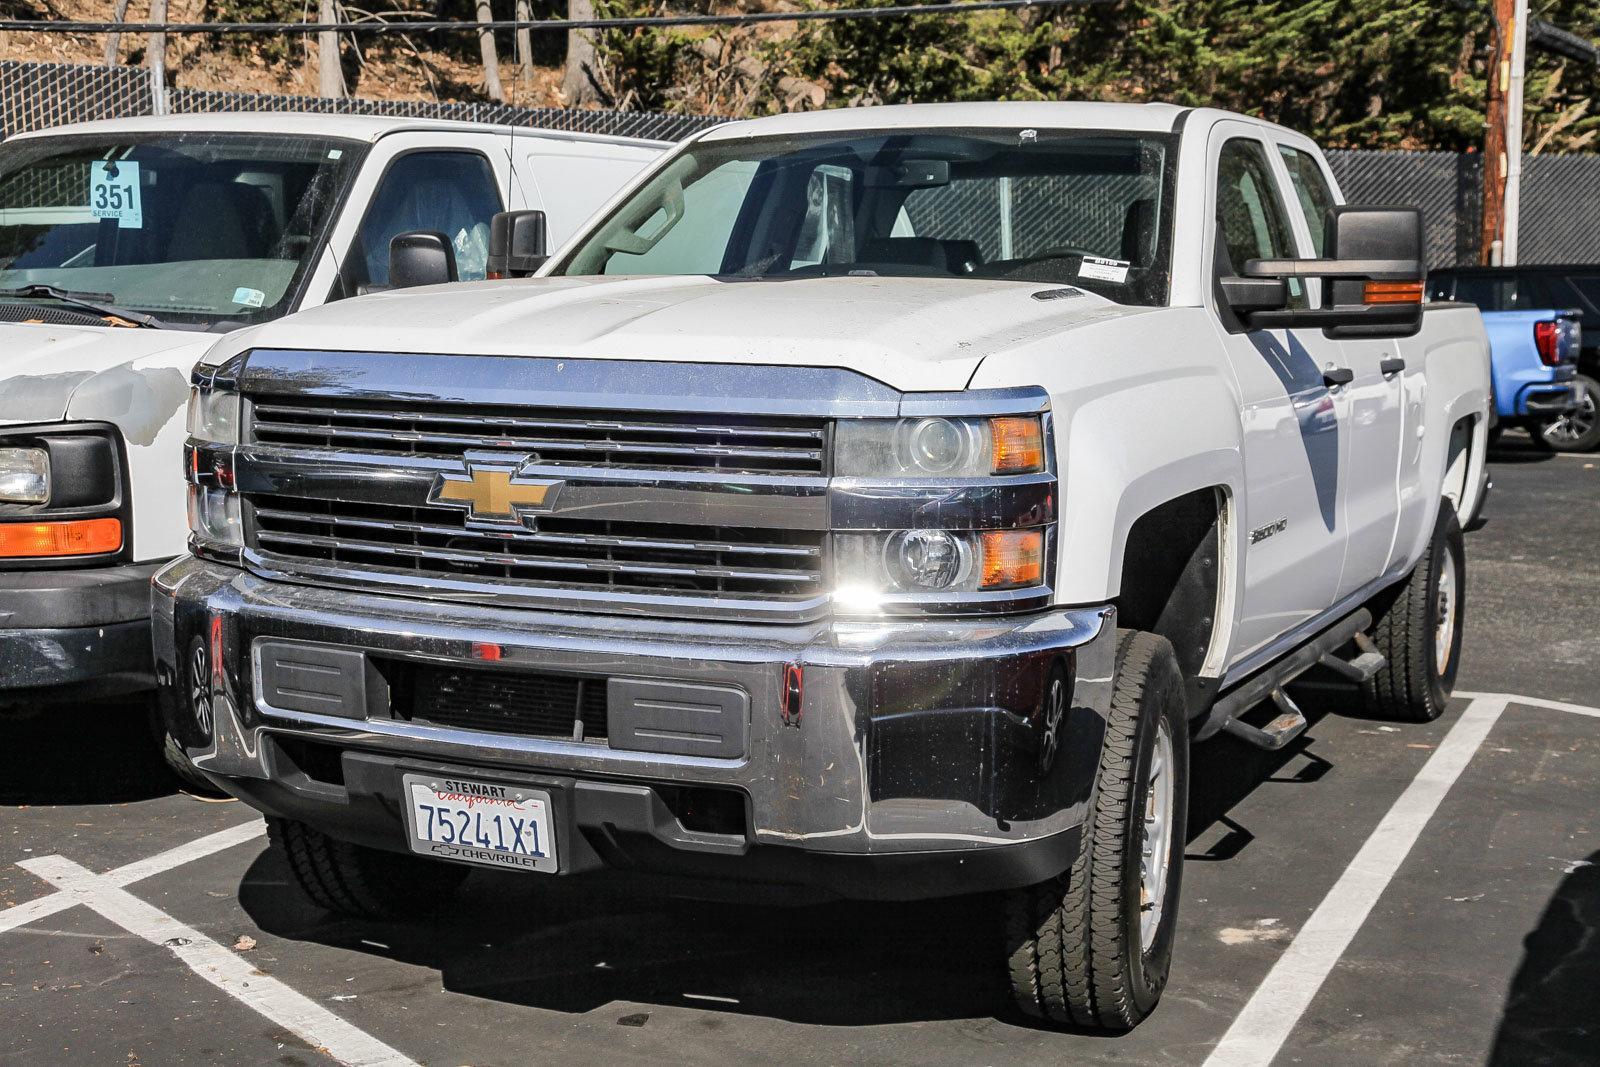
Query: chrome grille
{"points": [[742, 443], [622, 556]]}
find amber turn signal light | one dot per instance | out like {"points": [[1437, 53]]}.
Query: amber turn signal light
{"points": [[80, 537], [1018, 445], [1392, 293], [1012, 559]]}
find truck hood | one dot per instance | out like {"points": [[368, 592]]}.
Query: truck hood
{"points": [[135, 378], [912, 333]]}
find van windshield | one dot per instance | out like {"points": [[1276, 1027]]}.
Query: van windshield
{"points": [[195, 229], [1089, 209]]}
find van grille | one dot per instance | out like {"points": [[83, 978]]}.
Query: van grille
{"points": [[557, 437]]}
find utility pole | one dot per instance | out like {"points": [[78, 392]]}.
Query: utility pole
{"points": [[1519, 64], [1502, 142]]}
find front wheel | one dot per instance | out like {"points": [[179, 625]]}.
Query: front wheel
{"points": [[1579, 429], [1092, 947], [1418, 631]]}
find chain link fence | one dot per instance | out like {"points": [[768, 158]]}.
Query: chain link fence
{"points": [[1560, 220], [39, 95]]}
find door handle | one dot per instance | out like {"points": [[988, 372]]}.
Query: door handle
{"points": [[1392, 366], [1337, 376]]}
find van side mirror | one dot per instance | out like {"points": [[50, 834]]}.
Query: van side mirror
{"points": [[1372, 279], [421, 257], [516, 244]]}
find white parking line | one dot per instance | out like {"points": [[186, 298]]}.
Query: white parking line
{"points": [[226, 970], [137, 871], [1260, 1030]]}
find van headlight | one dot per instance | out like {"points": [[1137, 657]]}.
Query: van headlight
{"points": [[24, 476]]}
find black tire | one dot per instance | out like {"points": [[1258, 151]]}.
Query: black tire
{"points": [[1077, 954], [1580, 431], [1415, 684], [362, 882]]}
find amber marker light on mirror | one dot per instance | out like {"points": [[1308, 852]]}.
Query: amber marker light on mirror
{"points": [[1012, 559], [1018, 445], [1392, 293], [80, 537]]}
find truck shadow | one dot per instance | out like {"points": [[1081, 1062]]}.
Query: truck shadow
{"points": [[1552, 1014], [580, 947], [93, 753], [1224, 771]]}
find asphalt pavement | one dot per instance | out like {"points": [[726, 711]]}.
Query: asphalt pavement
{"points": [[1375, 894]]}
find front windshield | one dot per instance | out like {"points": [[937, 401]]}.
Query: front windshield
{"points": [[1058, 207], [197, 229]]}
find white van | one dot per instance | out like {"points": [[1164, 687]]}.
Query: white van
{"points": [[126, 247]]}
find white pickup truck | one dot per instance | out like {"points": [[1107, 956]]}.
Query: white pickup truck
{"points": [[876, 502], [126, 247]]}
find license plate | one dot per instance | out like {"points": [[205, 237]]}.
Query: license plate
{"points": [[481, 822]]}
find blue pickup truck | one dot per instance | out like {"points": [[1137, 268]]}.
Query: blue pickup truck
{"points": [[1546, 372]]}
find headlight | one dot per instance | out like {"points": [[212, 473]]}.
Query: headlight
{"points": [[24, 476], [938, 447], [937, 561], [214, 517], [214, 416]]}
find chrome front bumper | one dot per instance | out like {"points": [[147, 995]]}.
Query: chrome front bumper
{"points": [[914, 735]]}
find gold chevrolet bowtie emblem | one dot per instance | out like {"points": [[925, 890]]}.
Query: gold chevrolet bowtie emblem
{"points": [[494, 494]]}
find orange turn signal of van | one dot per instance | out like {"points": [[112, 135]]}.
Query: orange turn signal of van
{"points": [[74, 537]]}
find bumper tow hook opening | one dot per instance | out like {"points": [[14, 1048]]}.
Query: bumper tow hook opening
{"points": [[793, 690]]}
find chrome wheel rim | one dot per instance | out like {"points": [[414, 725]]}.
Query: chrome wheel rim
{"points": [[1444, 634], [1574, 425], [1155, 861]]}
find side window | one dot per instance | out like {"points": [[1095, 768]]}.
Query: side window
{"points": [[1250, 216], [454, 193], [1488, 292], [1311, 188], [1536, 292]]}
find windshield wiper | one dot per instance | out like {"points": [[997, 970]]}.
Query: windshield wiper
{"points": [[99, 303]]}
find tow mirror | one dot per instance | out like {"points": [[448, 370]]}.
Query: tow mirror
{"points": [[421, 257], [1372, 279], [516, 244]]}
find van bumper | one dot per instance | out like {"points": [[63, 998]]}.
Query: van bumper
{"points": [[74, 634], [913, 762]]}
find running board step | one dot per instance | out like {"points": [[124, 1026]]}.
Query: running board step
{"points": [[1368, 662], [1268, 682], [1289, 724]]}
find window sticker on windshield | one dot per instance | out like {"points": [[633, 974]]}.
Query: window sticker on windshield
{"points": [[250, 298], [1105, 270], [114, 193]]}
